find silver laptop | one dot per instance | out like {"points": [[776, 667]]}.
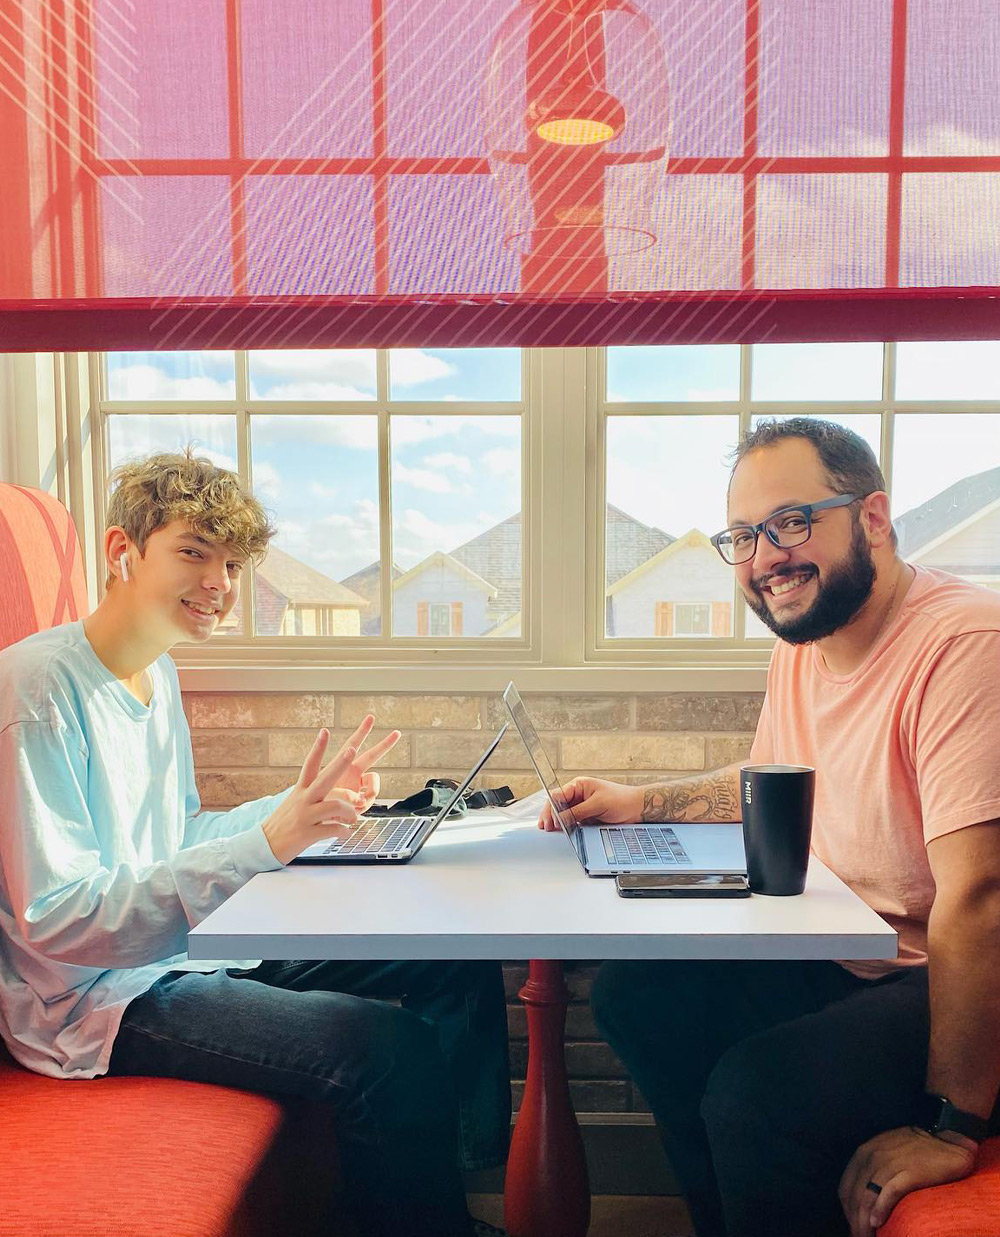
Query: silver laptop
{"points": [[391, 839], [606, 850]]}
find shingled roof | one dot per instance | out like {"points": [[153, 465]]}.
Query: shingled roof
{"points": [[496, 556], [959, 502], [366, 584], [629, 543], [304, 585]]}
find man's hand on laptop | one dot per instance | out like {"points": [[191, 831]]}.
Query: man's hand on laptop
{"points": [[590, 798], [326, 800]]}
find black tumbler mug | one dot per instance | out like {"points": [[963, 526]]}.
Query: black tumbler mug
{"points": [[777, 802]]}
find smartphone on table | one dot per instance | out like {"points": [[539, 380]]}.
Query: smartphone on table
{"points": [[682, 885]]}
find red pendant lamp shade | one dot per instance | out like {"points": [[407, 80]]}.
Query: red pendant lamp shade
{"points": [[575, 118]]}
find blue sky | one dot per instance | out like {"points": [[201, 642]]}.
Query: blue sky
{"points": [[454, 476]]}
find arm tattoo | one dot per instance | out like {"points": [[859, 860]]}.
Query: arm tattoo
{"points": [[712, 798]]}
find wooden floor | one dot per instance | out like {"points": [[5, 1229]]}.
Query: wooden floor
{"points": [[640, 1216]]}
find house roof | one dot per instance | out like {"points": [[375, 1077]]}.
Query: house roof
{"points": [[496, 556], [303, 585], [694, 537], [440, 559], [921, 525], [366, 584], [629, 543]]}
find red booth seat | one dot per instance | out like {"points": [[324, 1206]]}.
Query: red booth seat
{"points": [[968, 1208], [137, 1157]]}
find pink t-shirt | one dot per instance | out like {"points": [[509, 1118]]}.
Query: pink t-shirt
{"points": [[906, 748]]}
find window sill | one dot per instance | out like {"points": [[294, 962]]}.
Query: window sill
{"points": [[459, 679]]}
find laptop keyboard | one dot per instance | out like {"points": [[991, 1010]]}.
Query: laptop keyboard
{"points": [[384, 833], [636, 848]]}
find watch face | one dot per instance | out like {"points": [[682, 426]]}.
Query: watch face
{"points": [[929, 1111], [937, 1114]]}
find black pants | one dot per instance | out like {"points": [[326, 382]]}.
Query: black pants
{"points": [[416, 1088], [765, 1078]]}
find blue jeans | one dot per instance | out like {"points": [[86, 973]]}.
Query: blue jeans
{"points": [[418, 1088]]}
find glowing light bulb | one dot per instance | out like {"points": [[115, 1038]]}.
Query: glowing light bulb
{"points": [[575, 131]]}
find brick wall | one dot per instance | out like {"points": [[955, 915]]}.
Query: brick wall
{"points": [[247, 745]]}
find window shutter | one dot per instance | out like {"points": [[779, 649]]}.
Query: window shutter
{"points": [[423, 618], [664, 618], [456, 618], [722, 618]]}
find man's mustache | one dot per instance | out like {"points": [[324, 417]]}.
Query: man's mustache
{"points": [[760, 582]]}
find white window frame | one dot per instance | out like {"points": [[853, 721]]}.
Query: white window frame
{"points": [[51, 442], [314, 653]]}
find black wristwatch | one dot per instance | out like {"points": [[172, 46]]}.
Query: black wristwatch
{"points": [[937, 1114]]}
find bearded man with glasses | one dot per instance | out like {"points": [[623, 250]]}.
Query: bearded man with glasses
{"points": [[808, 1097]]}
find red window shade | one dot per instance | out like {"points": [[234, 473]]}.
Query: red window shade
{"points": [[248, 173], [456, 618], [423, 618]]}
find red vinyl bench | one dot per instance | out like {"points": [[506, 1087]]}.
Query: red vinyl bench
{"points": [[135, 1157]]}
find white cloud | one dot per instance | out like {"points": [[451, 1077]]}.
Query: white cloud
{"points": [[141, 434], [337, 544], [409, 429], [409, 367], [301, 391], [416, 535], [422, 479], [324, 492], [142, 382], [454, 463], [503, 462], [266, 481], [347, 367], [357, 432]]}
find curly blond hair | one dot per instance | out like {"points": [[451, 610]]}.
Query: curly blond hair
{"points": [[154, 490]]}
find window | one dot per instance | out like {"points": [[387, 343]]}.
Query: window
{"points": [[693, 620], [395, 480], [558, 503], [671, 416]]}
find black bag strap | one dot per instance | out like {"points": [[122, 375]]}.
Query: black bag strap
{"points": [[499, 797], [436, 793]]}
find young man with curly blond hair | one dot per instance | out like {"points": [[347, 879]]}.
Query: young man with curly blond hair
{"points": [[106, 862]]}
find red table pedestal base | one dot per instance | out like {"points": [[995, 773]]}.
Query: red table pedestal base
{"points": [[547, 1194]]}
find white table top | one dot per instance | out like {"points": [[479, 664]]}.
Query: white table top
{"points": [[494, 886]]}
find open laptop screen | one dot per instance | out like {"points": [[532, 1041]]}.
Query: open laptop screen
{"points": [[543, 767]]}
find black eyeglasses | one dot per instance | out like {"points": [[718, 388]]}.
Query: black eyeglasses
{"points": [[788, 527]]}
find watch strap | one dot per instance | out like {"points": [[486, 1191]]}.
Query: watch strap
{"points": [[937, 1113]]}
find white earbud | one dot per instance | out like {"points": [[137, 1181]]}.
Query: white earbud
{"points": [[123, 562]]}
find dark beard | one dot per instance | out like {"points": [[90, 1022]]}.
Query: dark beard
{"points": [[839, 600]]}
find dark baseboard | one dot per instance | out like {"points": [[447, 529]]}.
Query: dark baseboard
{"points": [[621, 1159]]}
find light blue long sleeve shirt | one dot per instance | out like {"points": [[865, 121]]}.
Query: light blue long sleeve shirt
{"points": [[105, 862]]}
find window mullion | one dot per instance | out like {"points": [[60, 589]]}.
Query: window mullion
{"points": [[888, 425], [384, 524], [245, 468], [563, 544], [746, 389]]}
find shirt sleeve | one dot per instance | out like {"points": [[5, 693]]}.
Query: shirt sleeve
{"points": [[202, 826], [72, 902], [954, 745]]}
